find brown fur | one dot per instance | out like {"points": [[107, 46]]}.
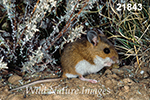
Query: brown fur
{"points": [[83, 49]]}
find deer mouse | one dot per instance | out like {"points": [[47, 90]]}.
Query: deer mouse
{"points": [[87, 56], [84, 56]]}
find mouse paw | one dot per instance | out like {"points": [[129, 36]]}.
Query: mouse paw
{"points": [[93, 81], [89, 80]]}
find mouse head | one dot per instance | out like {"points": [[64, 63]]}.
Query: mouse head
{"points": [[102, 48]]}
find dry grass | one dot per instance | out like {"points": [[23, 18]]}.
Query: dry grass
{"points": [[129, 29]]}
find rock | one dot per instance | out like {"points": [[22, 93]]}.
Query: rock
{"points": [[126, 88], [3, 92], [128, 81], [117, 71], [114, 76], [114, 81], [14, 79], [108, 83], [107, 72]]}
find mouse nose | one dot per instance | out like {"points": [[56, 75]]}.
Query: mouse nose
{"points": [[115, 59]]}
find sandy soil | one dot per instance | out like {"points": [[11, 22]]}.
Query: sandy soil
{"points": [[115, 84]]}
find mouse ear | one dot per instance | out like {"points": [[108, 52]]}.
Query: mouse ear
{"points": [[92, 37], [103, 38], [101, 33]]}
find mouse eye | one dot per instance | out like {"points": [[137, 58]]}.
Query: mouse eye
{"points": [[106, 50]]}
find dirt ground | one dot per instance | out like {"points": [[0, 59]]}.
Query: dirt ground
{"points": [[116, 84]]}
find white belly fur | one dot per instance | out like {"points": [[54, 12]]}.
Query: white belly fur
{"points": [[84, 67]]}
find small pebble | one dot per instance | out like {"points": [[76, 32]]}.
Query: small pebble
{"points": [[142, 72]]}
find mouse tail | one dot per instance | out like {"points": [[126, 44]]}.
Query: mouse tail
{"points": [[36, 82]]}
